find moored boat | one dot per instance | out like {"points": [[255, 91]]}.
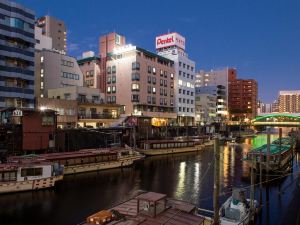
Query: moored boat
{"points": [[281, 153], [27, 175], [89, 160], [148, 208], [162, 147], [236, 209]]}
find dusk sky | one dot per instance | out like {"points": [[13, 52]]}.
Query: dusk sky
{"points": [[260, 38]]}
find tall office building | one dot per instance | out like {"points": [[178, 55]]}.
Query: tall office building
{"points": [[172, 46], [289, 101], [16, 55], [243, 94], [55, 29]]}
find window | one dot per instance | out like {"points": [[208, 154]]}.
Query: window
{"points": [[188, 101], [165, 74], [179, 73], [108, 80], [153, 70], [87, 73], [165, 101], [149, 89], [108, 70], [183, 65], [154, 90], [149, 99], [183, 100], [187, 109], [188, 92], [161, 101], [180, 63], [135, 87], [161, 82], [183, 74], [192, 101], [161, 91], [179, 91], [171, 102], [47, 120], [135, 98], [149, 69], [113, 69], [135, 66], [180, 82], [153, 100], [192, 110], [91, 73], [192, 68], [183, 92], [165, 92], [113, 99], [188, 75], [113, 89], [30, 172], [108, 99], [108, 89], [172, 75], [179, 100], [183, 109], [42, 72], [165, 83], [113, 79], [192, 93], [135, 76], [149, 79], [154, 80], [188, 67], [161, 73], [179, 109], [171, 93], [42, 85], [42, 59], [192, 77]]}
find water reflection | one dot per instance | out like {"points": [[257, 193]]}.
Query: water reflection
{"points": [[186, 176]]}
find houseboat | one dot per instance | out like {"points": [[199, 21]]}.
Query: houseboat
{"points": [[281, 153], [28, 175], [89, 160], [161, 147], [146, 209]]}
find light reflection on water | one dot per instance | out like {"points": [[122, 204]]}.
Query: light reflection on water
{"points": [[187, 176]]}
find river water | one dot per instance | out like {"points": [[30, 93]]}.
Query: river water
{"points": [[187, 177]]}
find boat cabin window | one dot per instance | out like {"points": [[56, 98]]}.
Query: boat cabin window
{"points": [[8, 176], [31, 172]]}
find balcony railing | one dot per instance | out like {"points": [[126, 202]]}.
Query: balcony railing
{"points": [[97, 116], [94, 101]]}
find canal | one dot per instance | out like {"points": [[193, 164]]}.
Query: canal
{"points": [[183, 176]]}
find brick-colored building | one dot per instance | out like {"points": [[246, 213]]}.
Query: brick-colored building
{"points": [[242, 99], [31, 130], [289, 101]]}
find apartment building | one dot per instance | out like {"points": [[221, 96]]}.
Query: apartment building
{"points": [[55, 70], [143, 81], [55, 29], [172, 46], [289, 101], [16, 55]]}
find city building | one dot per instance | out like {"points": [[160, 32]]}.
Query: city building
{"points": [[42, 41], [28, 130], [289, 101], [55, 70], [92, 110], [89, 65], [263, 108], [172, 46], [243, 94], [142, 81], [55, 29], [210, 81], [210, 104], [67, 110], [275, 106], [16, 56], [107, 44]]}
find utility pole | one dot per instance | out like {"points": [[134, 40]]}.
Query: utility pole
{"points": [[267, 164], [260, 177], [252, 190], [216, 181]]}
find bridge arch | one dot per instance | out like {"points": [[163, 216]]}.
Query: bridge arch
{"points": [[277, 119]]}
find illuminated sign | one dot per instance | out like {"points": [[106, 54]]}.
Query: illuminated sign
{"points": [[172, 39], [17, 112]]}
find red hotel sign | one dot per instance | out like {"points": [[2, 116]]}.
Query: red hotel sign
{"points": [[172, 39]]}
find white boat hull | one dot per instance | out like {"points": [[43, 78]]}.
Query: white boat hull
{"points": [[17, 186]]}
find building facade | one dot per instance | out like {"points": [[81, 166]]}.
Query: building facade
{"points": [[243, 94], [172, 46], [289, 101], [55, 70], [55, 29], [143, 82], [16, 55], [92, 111], [90, 68]]}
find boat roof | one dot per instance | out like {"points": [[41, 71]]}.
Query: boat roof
{"points": [[274, 149], [165, 141], [151, 196]]}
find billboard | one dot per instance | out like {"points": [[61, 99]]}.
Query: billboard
{"points": [[172, 39]]}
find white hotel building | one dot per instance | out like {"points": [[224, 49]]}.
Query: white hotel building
{"points": [[172, 46]]}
